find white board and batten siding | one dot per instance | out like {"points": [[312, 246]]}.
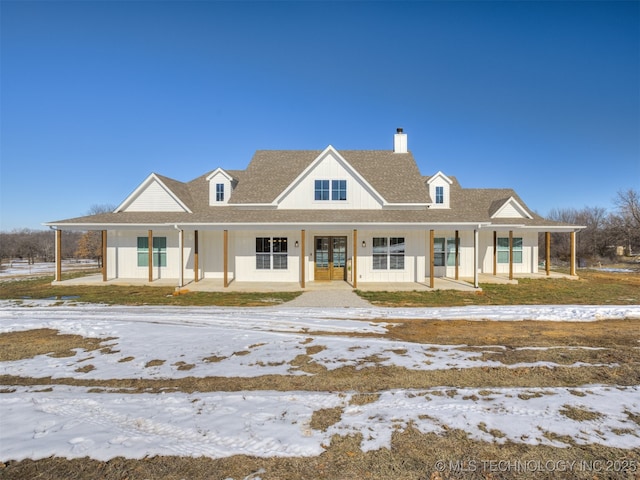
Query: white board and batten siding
{"points": [[154, 198], [302, 195]]}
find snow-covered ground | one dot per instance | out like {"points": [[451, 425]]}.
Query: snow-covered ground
{"points": [[66, 421]]}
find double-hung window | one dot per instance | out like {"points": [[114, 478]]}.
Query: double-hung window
{"points": [[503, 249], [334, 190], [388, 253], [444, 252], [440, 195], [271, 253], [159, 253], [219, 192]]}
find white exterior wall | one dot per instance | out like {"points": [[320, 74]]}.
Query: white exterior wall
{"points": [[303, 194], [122, 255], [414, 257], [154, 198], [245, 258], [529, 252]]}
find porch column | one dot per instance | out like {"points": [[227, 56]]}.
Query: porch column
{"points": [[302, 258], [547, 256], [495, 253], [572, 270], [150, 259], [431, 259], [457, 253], [510, 254], [181, 259], [196, 269], [225, 259], [475, 258], [58, 255], [354, 267], [104, 255]]}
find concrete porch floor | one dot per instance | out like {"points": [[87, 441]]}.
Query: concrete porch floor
{"points": [[216, 285]]}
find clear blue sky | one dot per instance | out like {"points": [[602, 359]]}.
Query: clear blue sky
{"points": [[543, 97]]}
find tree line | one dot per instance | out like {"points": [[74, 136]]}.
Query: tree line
{"points": [[604, 233]]}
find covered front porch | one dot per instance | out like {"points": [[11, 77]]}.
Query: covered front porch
{"points": [[217, 285]]}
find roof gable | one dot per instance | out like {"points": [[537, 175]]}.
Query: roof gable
{"points": [[156, 194], [335, 167], [509, 208], [394, 177]]}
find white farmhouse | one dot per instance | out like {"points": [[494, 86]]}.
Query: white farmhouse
{"points": [[309, 215]]}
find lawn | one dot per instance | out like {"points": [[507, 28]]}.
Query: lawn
{"points": [[501, 400]]}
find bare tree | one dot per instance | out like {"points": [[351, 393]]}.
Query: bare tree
{"points": [[628, 203], [90, 243]]}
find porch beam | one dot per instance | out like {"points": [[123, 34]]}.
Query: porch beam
{"points": [[196, 268], [510, 254], [104, 255], [225, 259], [431, 259], [457, 240], [150, 259], [354, 267], [302, 258], [495, 253], [547, 256], [58, 255], [572, 270]]}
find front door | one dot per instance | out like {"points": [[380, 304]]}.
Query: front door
{"points": [[331, 258]]}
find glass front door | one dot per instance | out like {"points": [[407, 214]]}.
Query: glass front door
{"points": [[331, 258]]}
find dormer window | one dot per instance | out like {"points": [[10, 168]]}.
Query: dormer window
{"points": [[440, 190], [336, 190], [221, 186]]}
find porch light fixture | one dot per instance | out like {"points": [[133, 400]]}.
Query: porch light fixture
{"points": [[296, 243], [364, 244]]}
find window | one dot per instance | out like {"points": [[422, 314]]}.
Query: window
{"points": [[335, 190], [280, 253], [159, 251], [439, 194], [503, 249], [271, 252], [444, 252], [388, 253], [322, 190], [219, 192], [338, 189]]}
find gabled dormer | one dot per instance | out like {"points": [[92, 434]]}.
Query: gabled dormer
{"points": [[439, 190], [509, 208], [156, 194], [221, 185]]}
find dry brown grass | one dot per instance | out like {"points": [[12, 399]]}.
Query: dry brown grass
{"points": [[43, 341], [412, 456]]}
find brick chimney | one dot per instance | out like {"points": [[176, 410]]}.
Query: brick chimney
{"points": [[400, 142]]}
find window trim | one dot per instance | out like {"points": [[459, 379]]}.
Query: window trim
{"points": [[384, 258], [272, 253], [219, 192], [518, 249], [334, 190], [159, 253]]}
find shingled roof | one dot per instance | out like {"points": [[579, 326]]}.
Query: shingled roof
{"points": [[395, 176]]}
